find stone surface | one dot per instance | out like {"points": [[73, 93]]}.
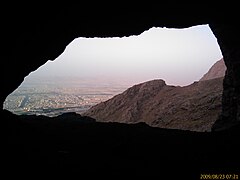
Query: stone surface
{"points": [[43, 146], [216, 71], [195, 107], [228, 40], [31, 35]]}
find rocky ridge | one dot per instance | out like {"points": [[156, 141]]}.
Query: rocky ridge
{"points": [[195, 107], [216, 71]]}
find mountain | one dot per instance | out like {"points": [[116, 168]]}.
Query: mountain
{"points": [[216, 71], [195, 107]]}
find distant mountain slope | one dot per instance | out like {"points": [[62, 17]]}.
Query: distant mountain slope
{"points": [[194, 107], [216, 71]]}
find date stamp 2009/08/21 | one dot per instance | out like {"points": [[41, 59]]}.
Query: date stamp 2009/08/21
{"points": [[219, 176]]}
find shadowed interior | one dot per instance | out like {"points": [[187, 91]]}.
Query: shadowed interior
{"points": [[31, 36]]}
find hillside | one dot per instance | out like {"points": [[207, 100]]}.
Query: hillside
{"points": [[216, 71], [195, 107]]}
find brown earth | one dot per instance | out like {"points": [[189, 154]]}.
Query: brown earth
{"points": [[195, 107], [217, 70]]}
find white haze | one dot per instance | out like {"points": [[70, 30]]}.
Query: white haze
{"points": [[178, 56]]}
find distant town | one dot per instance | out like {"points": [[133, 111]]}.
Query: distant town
{"points": [[52, 99]]}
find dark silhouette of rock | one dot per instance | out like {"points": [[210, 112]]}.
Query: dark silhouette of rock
{"points": [[73, 116], [44, 36], [195, 107], [32, 35], [38, 145]]}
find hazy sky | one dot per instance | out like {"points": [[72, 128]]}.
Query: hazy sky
{"points": [[178, 56]]}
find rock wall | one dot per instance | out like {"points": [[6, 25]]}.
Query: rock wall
{"points": [[32, 35], [195, 107], [228, 40]]}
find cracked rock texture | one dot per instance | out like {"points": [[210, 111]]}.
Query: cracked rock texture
{"points": [[195, 107]]}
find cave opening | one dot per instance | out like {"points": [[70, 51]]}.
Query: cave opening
{"points": [[93, 70], [71, 144]]}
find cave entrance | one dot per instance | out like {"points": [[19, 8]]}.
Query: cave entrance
{"points": [[93, 70]]}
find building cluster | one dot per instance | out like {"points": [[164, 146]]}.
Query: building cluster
{"points": [[51, 103]]}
